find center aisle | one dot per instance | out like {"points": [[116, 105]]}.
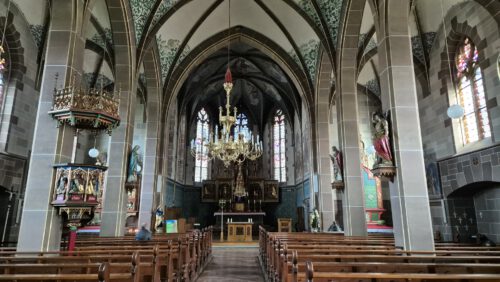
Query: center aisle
{"points": [[233, 263]]}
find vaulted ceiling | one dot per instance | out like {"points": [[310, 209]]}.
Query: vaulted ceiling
{"points": [[299, 27], [260, 85]]}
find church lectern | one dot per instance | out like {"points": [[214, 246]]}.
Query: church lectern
{"points": [[284, 225], [239, 231]]}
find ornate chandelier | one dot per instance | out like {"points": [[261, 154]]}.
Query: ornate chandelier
{"points": [[227, 147]]}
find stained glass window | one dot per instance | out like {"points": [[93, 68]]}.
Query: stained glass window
{"points": [[3, 70], [242, 126], [475, 123], [201, 157], [279, 156]]}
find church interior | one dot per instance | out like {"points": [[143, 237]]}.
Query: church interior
{"points": [[250, 140]]}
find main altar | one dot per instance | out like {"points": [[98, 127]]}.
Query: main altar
{"points": [[240, 199]]}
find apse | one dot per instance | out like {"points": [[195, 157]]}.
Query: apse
{"points": [[260, 85]]}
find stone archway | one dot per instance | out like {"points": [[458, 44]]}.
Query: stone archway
{"points": [[115, 197], [254, 39], [347, 109], [472, 209]]}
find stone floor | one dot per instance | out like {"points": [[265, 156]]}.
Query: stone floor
{"points": [[234, 264]]}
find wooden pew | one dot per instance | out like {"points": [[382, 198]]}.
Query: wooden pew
{"points": [[333, 253], [311, 276], [156, 260], [121, 273]]}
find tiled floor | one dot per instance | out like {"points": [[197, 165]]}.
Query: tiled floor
{"points": [[235, 264]]}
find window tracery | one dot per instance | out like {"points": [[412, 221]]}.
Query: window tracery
{"points": [[279, 156], [201, 157], [475, 123]]}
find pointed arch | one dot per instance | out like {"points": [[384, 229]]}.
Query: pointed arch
{"points": [[201, 151], [279, 146], [475, 124]]}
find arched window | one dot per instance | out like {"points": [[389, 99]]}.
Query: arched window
{"points": [[242, 126], [279, 155], [475, 122], [201, 158], [3, 77]]}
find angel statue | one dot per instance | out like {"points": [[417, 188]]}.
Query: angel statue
{"points": [[381, 139], [159, 218], [133, 165], [337, 163]]}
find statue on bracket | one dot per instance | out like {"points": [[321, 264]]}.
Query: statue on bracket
{"points": [[381, 139], [337, 164], [134, 165], [384, 166]]}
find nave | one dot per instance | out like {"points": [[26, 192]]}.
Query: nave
{"points": [[278, 257], [236, 263], [350, 139]]}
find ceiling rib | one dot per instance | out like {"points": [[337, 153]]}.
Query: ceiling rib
{"points": [[187, 38], [289, 38]]}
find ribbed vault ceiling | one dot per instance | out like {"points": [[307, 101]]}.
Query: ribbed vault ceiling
{"points": [[299, 27], [260, 85]]}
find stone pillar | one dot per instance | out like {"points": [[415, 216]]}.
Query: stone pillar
{"points": [[409, 199], [114, 212], [41, 225], [347, 109], [323, 143], [151, 159]]}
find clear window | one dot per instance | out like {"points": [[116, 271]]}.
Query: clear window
{"points": [[201, 156], [279, 156], [242, 126]]}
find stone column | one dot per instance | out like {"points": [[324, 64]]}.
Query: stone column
{"points": [[323, 143], [347, 109], [114, 212], [41, 225], [151, 159], [409, 199]]}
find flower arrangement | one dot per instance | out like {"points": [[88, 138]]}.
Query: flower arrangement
{"points": [[315, 220]]}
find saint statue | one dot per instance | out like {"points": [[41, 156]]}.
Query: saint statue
{"points": [[62, 185], [381, 139], [133, 164], [89, 190], [337, 163], [159, 218]]}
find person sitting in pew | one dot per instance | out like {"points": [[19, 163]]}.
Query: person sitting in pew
{"points": [[482, 240], [144, 234]]}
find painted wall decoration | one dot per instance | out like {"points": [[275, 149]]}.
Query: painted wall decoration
{"points": [[298, 157], [88, 78], [209, 191], [373, 86], [37, 31], [373, 196], [168, 50], [271, 191], [418, 49], [433, 183], [140, 12], [164, 7], [309, 9], [370, 186], [99, 40], [331, 11], [310, 52], [371, 44]]}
